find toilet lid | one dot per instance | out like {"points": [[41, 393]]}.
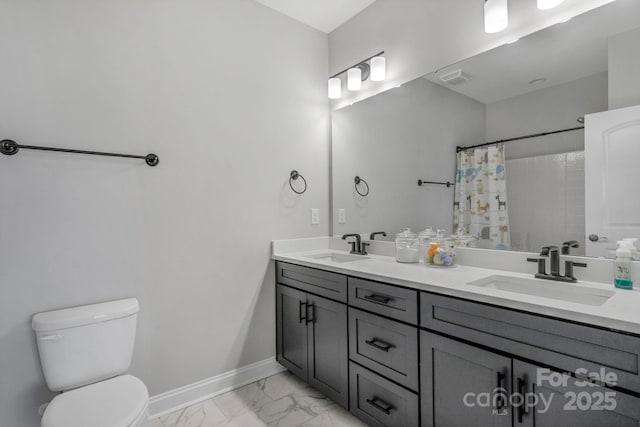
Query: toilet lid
{"points": [[116, 402]]}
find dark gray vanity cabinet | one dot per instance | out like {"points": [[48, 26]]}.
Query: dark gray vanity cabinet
{"points": [[311, 338], [565, 401], [399, 357], [567, 346], [455, 377], [461, 384]]}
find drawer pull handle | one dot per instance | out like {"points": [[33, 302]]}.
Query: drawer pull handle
{"points": [[500, 389], [380, 345], [380, 405], [310, 316], [522, 408], [378, 298], [300, 315]]}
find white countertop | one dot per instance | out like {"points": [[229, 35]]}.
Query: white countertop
{"points": [[620, 312]]}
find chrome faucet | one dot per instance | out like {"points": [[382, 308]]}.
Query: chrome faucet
{"points": [[554, 261], [357, 247]]}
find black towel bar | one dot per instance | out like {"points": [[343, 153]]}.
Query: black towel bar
{"points": [[421, 183], [9, 148]]}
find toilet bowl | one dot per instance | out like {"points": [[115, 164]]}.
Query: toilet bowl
{"points": [[117, 402], [85, 352]]}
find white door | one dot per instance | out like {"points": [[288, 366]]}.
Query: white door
{"points": [[612, 179]]}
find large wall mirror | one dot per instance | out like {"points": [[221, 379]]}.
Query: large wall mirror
{"points": [[521, 194]]}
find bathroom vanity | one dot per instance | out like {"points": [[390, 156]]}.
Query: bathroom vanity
{"points": [[412, 345]]}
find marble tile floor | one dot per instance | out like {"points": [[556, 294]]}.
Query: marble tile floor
{"points": [[281, 400]]}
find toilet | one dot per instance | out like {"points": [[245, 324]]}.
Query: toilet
{"points": [[85, 352]]}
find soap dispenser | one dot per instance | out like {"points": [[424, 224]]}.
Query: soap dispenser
{"points": [[623, 267], [630, 243]]}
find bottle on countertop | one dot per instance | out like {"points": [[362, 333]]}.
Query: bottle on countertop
{"points": [[630, 243], [623, 267]]}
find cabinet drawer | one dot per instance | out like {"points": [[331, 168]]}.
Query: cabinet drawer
{"points": [[561, 344], [384, 346], [319, 282], [387, 300], [379, 402]]}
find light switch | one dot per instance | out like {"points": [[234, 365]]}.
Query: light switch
{"points": [[342, 216], [315, 216]]}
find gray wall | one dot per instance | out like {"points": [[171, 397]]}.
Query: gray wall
{"points": [[232, 96], [392, 140], [624, 69]]}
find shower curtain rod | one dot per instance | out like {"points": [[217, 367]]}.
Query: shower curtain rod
{"points": [[535, 135]]}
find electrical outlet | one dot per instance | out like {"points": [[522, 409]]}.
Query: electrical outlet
{"points": [[342, 216], [315, 216]]}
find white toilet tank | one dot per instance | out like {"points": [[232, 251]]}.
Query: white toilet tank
{"points": [[86, 344]]}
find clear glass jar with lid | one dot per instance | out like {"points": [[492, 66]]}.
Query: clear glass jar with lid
{"points": [[424, 237], [407, 246], [441, 251], [462, 239]]}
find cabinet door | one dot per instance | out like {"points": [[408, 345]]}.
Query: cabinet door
{"points": [[460, 384], [561, 400], [291, 330], [328, 351]]}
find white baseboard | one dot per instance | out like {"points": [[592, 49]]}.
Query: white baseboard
{"points": [[188, 395]]}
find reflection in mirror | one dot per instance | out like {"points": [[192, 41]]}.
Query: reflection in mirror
{"points": [[519, 195]]}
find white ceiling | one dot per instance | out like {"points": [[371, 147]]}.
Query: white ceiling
{"points": [[562, 53], [323, 15]]}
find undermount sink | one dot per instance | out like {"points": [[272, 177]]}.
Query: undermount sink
{"points": [[547, 289], [335, 257]]}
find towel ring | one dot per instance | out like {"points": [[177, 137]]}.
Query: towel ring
{"points": [[294, 176], [359, 180]]}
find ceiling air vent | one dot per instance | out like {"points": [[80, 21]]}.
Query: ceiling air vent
{"points": [[455, 77]]}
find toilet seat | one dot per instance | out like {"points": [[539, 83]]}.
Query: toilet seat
{"points": [[117, 402]]}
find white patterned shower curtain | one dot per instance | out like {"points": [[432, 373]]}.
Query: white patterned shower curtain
{"points": [[480, 203]]}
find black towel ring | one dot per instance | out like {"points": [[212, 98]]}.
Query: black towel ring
{"points": [[359, 180], [294, 176]]}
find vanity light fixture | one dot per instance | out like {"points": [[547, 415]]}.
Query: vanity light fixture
{"points": [[374, 67], [354, 78], [378, 69], [496, 15], [335, 88], [548, 4]]}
